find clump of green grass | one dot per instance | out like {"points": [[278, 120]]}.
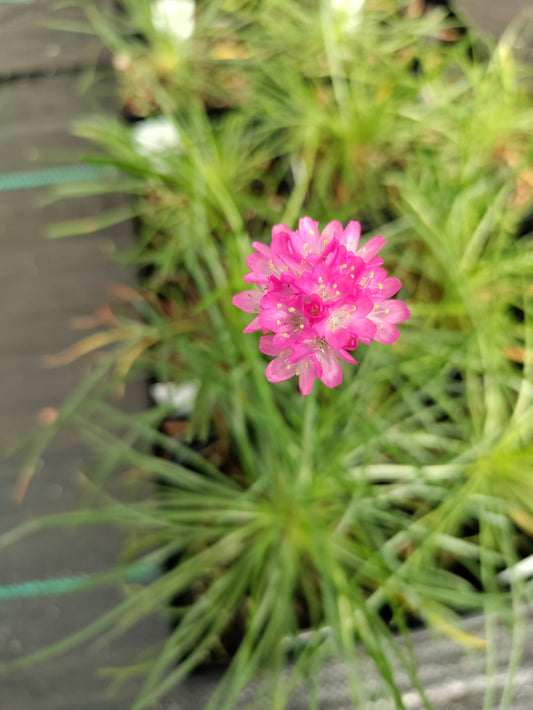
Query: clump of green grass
{"points": [[401, 495]]}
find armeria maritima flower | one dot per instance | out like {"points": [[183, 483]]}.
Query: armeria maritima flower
{"points": [[319, 295]]}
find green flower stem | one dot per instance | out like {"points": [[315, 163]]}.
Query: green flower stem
{"points": [[299, 193], [309, 426], [521, 415], [333, 57]]}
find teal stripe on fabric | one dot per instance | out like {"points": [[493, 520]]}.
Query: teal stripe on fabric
{"points": [[139, 574], [42, 588], [52, 176]]}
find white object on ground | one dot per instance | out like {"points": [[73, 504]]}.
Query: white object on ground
{"points": [[155, 135], [180, 398], [154, 138], [349, 11], [174, 18], [521, 570]]}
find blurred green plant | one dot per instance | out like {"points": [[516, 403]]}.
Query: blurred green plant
{"points": [[399, 496]]}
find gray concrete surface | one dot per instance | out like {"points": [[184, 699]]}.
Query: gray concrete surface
{"points": [[32, 39], [494, 16], [453, 678], [44, 285]]}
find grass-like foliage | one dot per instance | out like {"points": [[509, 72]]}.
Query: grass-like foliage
{"points": [[398, 496]]}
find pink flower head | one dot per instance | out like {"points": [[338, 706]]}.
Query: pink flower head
{"points": [[320, 294]]}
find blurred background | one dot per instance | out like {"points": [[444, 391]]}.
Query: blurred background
{"points": [[54, 71]]}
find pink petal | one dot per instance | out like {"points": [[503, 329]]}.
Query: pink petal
{"points": [[351, 236], [398, 311], [387, 333], [283, 252], [266, 345], [338, 338], [304, 348], [256, 277], [307, 378], [307, 240], [254, 325], [263, 249], [390, 287], [364, 306], [280, 369], [332, 231], [346, 356], [364, 329], [371, 248], [248, 301], [273, 319], [286, 340], [279, 295], [308, 228], [260, 268], [391, 311], [331, 374], [281, 229]]}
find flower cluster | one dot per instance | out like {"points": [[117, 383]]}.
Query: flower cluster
{"points": [[320, 294]]}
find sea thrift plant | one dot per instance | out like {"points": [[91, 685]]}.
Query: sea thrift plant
{"points": [[319, 295]]}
